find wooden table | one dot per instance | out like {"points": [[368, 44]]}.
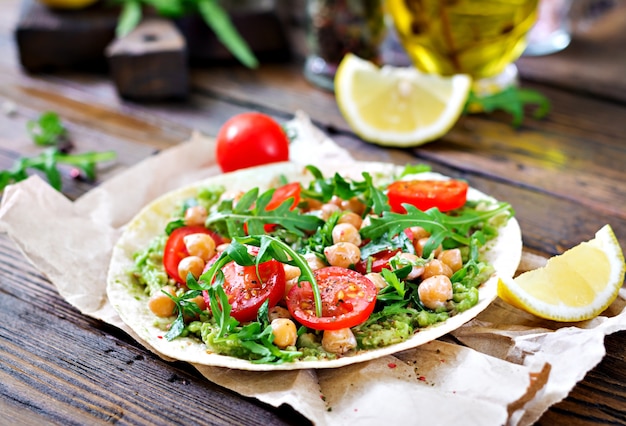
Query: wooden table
{"points": [[564, 175]]}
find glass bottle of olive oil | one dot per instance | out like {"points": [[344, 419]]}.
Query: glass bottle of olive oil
{"points": [[475, 37]]}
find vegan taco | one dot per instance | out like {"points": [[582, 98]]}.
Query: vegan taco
{"points": [[285, 267]]}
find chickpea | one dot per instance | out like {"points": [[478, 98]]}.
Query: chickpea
{"points": [[195, 215], [328, 209], [312, 204], [198, 300], [338, 341], [291, 272], [285, 333], [201, 245], [436, 267], [161, 305], [419, 232], [193, 264], [354, 205], [278, 312], [346, 233], [421, 243], [452, 258], [314, 262], [351, 218], [377, 279], [342, 254], [435, 291], [416, 270]]}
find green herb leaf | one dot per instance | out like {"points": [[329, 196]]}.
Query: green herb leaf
{"points": [[452, 229], [412, 169], [251, 210], [218, 20], [47, 129], [512, 100], [48, 162], [130, 17]]}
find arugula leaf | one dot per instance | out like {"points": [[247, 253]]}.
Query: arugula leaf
{"points": [[48, 161], [184, 305], [412, 169], [251, 210], [47, 129], [211, 12], [512, 100], [217, 19], [378, 198], [130, 17], [442, 227]]}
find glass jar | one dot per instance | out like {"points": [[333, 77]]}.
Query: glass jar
{"points": [[336, 27]]}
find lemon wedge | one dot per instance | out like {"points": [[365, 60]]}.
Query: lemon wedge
{"points": [[574, 286], [398, 106]]}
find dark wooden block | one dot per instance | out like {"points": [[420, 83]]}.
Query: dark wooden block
{"points": [[150, 63], [53, 39]]}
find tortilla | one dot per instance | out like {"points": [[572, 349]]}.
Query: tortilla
{"points": [[504, 253]]}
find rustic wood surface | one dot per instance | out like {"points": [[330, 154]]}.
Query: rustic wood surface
{"points": [[564, 175]]}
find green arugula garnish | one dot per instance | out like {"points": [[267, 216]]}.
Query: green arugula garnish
{"points": [[47, 129], [451, 229], [250, 210], [211, 12], [48, 161], [323, 189], [512, 100]]}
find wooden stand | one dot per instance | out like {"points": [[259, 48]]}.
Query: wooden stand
{"points": [[150, 63]]}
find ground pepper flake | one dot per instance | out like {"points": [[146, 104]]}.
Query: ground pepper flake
{"points": [[392, 365], [421, 378]]}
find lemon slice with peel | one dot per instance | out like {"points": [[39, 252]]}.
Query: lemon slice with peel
{"points": [[574, 286], [398, 106]]}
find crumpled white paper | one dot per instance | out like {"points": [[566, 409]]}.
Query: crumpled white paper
{"points": [[513, 367]]}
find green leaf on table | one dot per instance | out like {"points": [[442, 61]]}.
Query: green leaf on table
{"points": [[512, 100], [219, 21], [47, 129], [48, 162]]}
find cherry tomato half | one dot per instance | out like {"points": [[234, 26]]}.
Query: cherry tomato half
{"points": [[283, 193], [348, 299], [175, 249], [424, 194], [246, 293], [380, 261], [250, 139]]}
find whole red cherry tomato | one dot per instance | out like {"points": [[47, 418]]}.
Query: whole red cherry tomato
{"points": [[348, 299], [424, 194], [250, 139]]}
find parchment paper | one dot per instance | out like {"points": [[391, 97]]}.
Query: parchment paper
{"points": [[504, 367]]}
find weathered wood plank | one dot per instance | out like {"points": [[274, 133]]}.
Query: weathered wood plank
{"points": [[103, 376]]}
